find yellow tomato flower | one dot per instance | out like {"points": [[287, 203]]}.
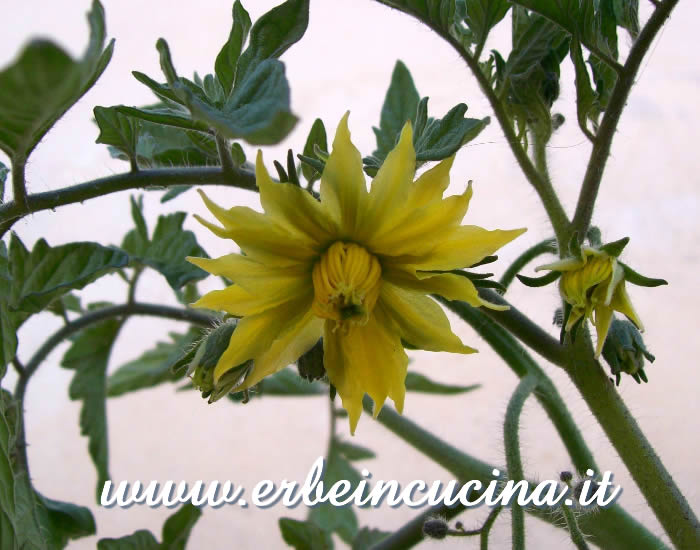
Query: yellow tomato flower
{"points": [[594, 286], [356, 268]]}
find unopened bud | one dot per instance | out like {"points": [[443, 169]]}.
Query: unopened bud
{"points": [[624, 351], [435, 528]]}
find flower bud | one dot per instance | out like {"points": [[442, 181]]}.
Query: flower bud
{"points": [[624, 351], [435, 528], [310, 364], [209, 350]]}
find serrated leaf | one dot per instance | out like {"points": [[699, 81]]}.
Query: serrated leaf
{"points": [[272, 35], [140, 540], [162, 91], [167, 249], [174, 191], [585, 96], [117, 130], [23, 521], [48, 272], [443, 137], [352, 451], [481, 16], [627, 15], [88, 357], [44, 82], [366, 538], [420, 383], [304, 535], [257, 111], [316, 138], [227, 59], [177, 528], [438, 14], [154, 366], [341, 520], [399, 106]]}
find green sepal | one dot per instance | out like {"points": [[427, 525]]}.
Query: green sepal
{"points": [[638, 279], [539, 281], [316, 138], [615, 248]]}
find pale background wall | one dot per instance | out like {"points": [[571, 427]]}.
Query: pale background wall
{"points": [[344, 62]]}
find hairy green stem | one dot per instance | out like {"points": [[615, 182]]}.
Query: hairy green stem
{"points": [[576, 535], [523, 365], [655, 482], [514, 463], [97, 316], [542, 186], [19, 186], [222, 147], [608, 126], [611, 528], [523, 328], [548, 246], [143, 179]]}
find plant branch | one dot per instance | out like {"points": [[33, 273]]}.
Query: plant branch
{"points": [[611, 528], [656, 484], [19, 188], [511, 438], [85, 321], [522, 364], [576, 535], [543, 247], [543, 187], [519, 325], [143, 179], [608, 126], [227, 164]]}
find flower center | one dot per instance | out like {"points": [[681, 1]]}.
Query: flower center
{"points": [[346, 284], [576, 285]]}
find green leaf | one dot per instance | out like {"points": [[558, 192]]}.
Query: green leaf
{"points": [[88, 357], [9, 321], [400, 104], [44, 82], [161, 114], [438, 14], [46, 273], [443, 137], [366, 538], [227, 59], [154, 366], [341, 520], [4, 170], [272, 35], [117, 130], [317, 138], [627, 15], [174, 191], [67, 521], [137, 216], [353, 452], [481, 16], [177, 528], [257, 111], [304, 535], [23, 521], [585, 96], [419, 383], [140, 540], [167, 249], [162, 91]]}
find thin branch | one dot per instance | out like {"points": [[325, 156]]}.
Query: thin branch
{"points": [[514, 462], [606, 132], [543, 247], [19, 368], [222, 147], [144, 179], [522, 327], [576, 535], [19, 188], [611, 528]]}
